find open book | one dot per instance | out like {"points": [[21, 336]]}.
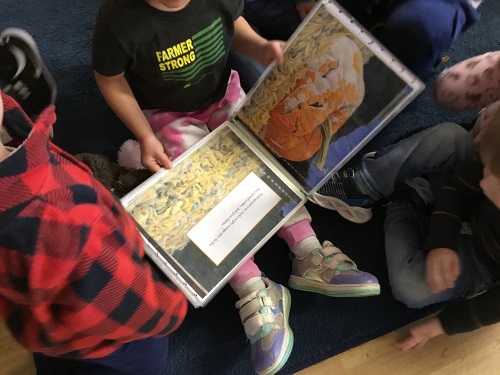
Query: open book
{"points": [[301, 123]]}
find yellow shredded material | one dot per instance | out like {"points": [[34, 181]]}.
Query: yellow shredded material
{"points": [[317, 38], [169, 208]]}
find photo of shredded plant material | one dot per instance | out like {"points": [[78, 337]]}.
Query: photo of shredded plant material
{"points": [[174, 204], [328, 97]]}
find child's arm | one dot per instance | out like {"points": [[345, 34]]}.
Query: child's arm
{"points": [[454, 204], [117, 93], [134, 288], [465, 316], [250, 44], [88, 287]]}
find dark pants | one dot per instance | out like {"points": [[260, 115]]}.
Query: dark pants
{"points": [[417, 32], [141, 357]]}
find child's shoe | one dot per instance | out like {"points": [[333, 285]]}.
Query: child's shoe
{"points": [[343, 186], [330, 272], [264, 314], [340, 193], [30, 83]]}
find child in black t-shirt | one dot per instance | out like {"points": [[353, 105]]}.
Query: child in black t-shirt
{"points": [[162, 67]]}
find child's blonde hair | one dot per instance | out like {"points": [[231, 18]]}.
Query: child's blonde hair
{"points": [[489, 146]]}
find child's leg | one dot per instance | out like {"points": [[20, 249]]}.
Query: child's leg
{"points": [[471, 84], [431, 153], [247, 279], [264, 309], [144, 357], [224, 109], [405, 231], [322, 268], [419, 31], [178, 131], [248, 70]]}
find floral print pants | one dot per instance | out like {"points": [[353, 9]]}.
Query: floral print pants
{"points": [[472, 84]]}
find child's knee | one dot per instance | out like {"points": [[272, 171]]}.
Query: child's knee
{"points": [[452, 141], [410, 299], [450, 133], [418, 32], [413, 294]]}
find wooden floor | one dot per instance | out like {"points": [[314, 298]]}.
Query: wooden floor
{"points": [[14, 360], [475, 353]]}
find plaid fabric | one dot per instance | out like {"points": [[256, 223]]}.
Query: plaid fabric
{"points": [[74, 280]]}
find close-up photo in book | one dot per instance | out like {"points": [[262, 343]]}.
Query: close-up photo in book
{"points": [[301, 122]]}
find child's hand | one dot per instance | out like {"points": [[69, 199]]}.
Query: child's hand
{"points": [[443, 269], [272, 50], [153, 155], [304, 8], [420, 334]]}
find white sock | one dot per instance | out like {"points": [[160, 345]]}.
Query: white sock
{"points": [[304, 247], [252, 285]]}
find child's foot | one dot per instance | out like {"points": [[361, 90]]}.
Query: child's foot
{"points": [[330, 272], [30, 83], [343, 186], [264, 314], [342, 194]]}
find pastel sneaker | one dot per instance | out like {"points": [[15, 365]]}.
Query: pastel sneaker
{"points": [[330, 272], [264, 314]]}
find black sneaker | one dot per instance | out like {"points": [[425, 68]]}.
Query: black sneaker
{"points": [[341, 194], [28, 81], [343, 186]]}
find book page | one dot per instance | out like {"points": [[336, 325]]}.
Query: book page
{"points": [[233, 218], [212, 210], [336, 89]]}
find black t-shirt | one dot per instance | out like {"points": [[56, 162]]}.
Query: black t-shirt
{"points": [[174, 61]]}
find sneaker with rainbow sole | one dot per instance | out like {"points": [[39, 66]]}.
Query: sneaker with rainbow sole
{"points": [[330, 272], [264, 314]]}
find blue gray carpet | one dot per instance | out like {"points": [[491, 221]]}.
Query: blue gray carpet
{"points": [[211, 341]]}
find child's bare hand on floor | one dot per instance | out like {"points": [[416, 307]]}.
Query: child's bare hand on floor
{"points": [[420, 334]]}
